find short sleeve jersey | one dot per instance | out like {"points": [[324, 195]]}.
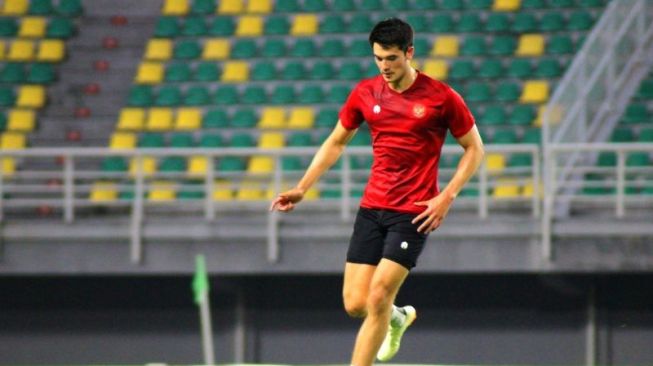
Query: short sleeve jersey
{"points": [[408, 130]]}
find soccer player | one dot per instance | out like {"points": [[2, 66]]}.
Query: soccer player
{"points": [[408, 114]]}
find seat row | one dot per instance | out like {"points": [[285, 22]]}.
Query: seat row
{"points": [[37, 27], [68, 8]]}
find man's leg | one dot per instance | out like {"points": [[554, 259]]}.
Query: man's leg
{"points": [[384, 286], [356, 287]]}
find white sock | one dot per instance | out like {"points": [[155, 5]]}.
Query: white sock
{"points": [[397, 317]]}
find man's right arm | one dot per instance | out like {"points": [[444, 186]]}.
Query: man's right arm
{"points": [[325, 157]]}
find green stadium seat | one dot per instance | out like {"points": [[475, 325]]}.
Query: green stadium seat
{"points": [[41, 73], [442, 23], [491, 68], [361, 138], [462, 69], [166, 27], [293, 70], [273, 48], [13, 73], [520, 68], [168, 96], [596, 185], [343, 5], [190, 191], [494, 115], [469, 23], [303, 47], [254, 94], [310, 94], [477, 92], [206, 71], [114, 164], [552, 22], [210, 140], [519, 160], [182, 140], [202, 7], [283, 94], [187, 50], [562, 3], [177, 72], [444, 5], [591, 3], [524, 22], [264, 71], [507, 92], [369, 5], [244, 48], [580, 21], [645, 90], [222, 27], [622, 134], [326, 118], [60, 28], [361, 162], [194, 26], [291, 163], [226, 95], [638, 159], [560, 44], [360, 23], [645, 135], [322, 70], [636, 113], [332, 24], [338, 94], [332, 48], [314, 6], [479, 4], [522, 115], [422, 47], [231, 164], [503, 46], [41, 7], [286, 6], [532, 136], [607, 159], [548, 68], [215, 118], [533, 4], [473, 46], [276, 25], [242, 140], [299, 139], [497, 22], [398, 5], [151, 140], [69, 8], [419, 23], [350, 71], [244, 118], [371, 71], [504, 137], [172, 164], [197, 95], [359, 48], [140, 96], [8, 27]]}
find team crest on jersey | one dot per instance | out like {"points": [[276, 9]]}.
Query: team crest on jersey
{"points": [[419, 110]]}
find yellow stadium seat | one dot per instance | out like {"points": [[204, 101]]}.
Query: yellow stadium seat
{"points": [[530, 45], [175, 7], [51, 50], [15, 7], [188, 119], [149, 73], [249, 26], [235, 71], [222, 191], [148, 166], [527, 190], [301, 117], [32, 27], [272, 117], [162, 191], [21, 50], [2, 50], [259, 6], [22, 120], [251, 191], [506, 188], [197, 165], [495, 162], [216, 49], [13, 141], [445, 46], [31, 96], [122, 140], [159, 119], [104, 192], [260, 164], [535, 91], [311, 195], [8, 166], [304, 25], [506, 5], [555, 116], [158, 49], [271, 140], [230, 7], [131, 119], [437, 69]]}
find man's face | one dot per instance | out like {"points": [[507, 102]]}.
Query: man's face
{"points": [[392, 62]]}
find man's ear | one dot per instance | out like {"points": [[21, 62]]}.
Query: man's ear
{"points": [[410, 52]]}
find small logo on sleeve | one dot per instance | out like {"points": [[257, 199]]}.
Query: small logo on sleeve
{"points": [[376, 109]]}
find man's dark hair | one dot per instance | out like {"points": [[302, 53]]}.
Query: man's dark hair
{"points": [[392, 32]]}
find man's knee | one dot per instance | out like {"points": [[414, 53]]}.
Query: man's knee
{"points": [[379, 299], [355, 306]]}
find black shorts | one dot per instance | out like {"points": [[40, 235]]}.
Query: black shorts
{"points": [[385, 234]]}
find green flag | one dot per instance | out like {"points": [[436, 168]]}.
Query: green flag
{"points": [[200, 280]]}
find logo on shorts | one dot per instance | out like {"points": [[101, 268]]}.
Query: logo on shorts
{"points": [[404, 245], [419, 110]]}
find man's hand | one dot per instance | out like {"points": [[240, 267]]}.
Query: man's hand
{"points": [[285, 202], [435, 212]]}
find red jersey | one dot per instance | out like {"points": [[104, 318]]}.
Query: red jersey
{"points": [[408, 130]]}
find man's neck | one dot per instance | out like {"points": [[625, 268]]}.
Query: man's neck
{"points": [[405, 82]]}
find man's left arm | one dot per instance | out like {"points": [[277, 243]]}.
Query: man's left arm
{"points": [[438, 207]]}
